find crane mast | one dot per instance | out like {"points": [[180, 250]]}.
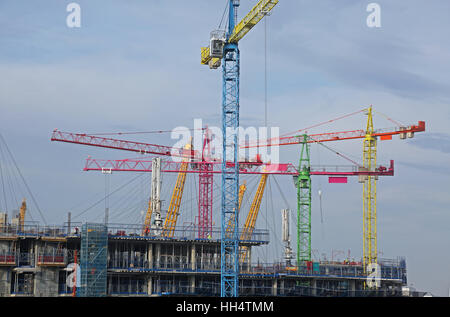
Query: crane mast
{"points": [[286, 237], [154, 205], [304, 204], [224, 50], [370, 253], [205, 190], [229, 271], [23, 210]]}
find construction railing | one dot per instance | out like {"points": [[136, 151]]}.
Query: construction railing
{"points": [[185, 232], [53, 258], [34, 229], [390, 269], [8, 258]]}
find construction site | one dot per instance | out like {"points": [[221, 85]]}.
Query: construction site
{"points": [[120, 261], [213, 253]]}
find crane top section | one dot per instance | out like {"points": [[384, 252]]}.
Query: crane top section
{"points": [[211, 55], [258, 12], [384, 134], [139, 147]]}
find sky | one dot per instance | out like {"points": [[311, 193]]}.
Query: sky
{"points": [[134, 66]]}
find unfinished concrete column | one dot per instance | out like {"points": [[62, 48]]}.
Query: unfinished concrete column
{"points": [[36, 253], [352, 287], [281, 287], [132, 253], [158, 255], [158, 286], [249, 263], [150, 255], [192, 282], [149, 285], [193, 258], [5, 285], [274, 287], [314, 287], [36, 279]]}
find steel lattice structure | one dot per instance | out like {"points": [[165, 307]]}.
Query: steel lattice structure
{"points": [[230, 123], [205, 190], [304, 204], [230, 172], [370, 253]]}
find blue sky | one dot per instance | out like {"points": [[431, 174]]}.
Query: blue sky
{"points": [[135, 66]]}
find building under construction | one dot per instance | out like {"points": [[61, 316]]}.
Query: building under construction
{"points": [[117, 260], [162, 259]]}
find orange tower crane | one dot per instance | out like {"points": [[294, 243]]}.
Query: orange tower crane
{"points": [[175, 202], [251, 217]]}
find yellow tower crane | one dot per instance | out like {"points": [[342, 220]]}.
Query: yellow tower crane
{"points": [[251, 217], [148, 218], [23, 210], [230, 226], [174, 207], [370, 195], [242, 190], [255, 15]]}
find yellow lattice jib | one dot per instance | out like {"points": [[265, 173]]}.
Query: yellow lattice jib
{"points": [[174, 207], [252, 216]]}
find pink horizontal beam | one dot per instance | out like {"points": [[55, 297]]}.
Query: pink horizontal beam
{"points": [[244, 168]]}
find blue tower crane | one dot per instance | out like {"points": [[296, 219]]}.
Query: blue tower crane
{"points": [[224, 50]]}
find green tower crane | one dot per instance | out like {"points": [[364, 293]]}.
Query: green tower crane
{"points": [[304, 204]]}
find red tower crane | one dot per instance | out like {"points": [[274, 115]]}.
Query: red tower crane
{"points": [[245, 168], [204, 169], [384, 134]]}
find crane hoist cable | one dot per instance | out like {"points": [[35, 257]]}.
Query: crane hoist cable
{"points": [[23, 179], [146, 132], [281, 193], [389, 119], [324, 122], [125, 205], [114, 191], [307, 128], [223, 17]]}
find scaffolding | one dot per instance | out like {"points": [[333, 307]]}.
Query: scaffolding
{"points": [[93, 262]]}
